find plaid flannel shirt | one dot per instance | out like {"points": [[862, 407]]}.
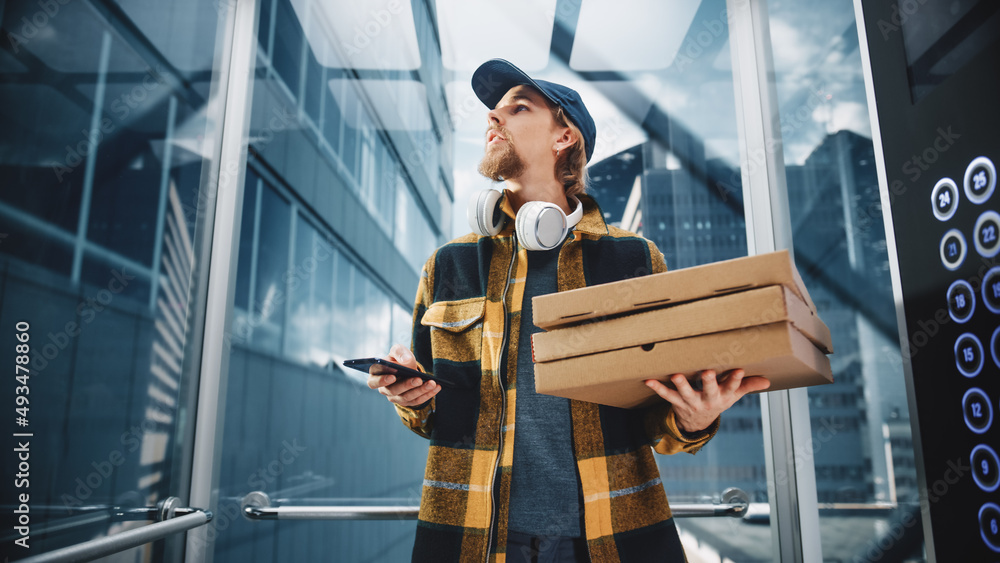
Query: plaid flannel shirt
{"points": [[465, 329]]}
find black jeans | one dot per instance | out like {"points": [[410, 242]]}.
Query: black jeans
{"points": [[522, 548]]}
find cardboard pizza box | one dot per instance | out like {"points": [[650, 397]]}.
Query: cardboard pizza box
{"points": [[777, 350], [668, 288], [705, 316]]}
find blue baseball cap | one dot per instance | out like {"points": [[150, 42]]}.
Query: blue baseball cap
{"points": [[494, 78]]}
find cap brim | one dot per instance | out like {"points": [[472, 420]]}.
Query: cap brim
{"points": [[494, 78]]}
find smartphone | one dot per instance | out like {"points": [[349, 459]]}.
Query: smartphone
{"points": [[401, 372]]}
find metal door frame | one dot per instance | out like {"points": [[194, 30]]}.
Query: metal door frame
{"points": [[225, 187]]}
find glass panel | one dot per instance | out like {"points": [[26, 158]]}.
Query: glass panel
{"points": [[104, 214], [321, 277], [863, 451]]}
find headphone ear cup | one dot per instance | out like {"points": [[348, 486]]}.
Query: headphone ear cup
{"points": [[484, 214], [540, 225]]}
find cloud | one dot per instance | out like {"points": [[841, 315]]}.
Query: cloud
{"points": [[851, 116]]}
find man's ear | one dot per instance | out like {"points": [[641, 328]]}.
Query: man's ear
{"points": [[566, 140]]}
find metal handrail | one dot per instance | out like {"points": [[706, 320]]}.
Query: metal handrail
{"points": [[168, 523], [257, 506], [91, 515]]}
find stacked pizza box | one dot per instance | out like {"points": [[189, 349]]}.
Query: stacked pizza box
{"points": [[602, 342]]}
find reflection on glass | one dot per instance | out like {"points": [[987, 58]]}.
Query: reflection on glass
{"points": [[366, 34], [345, 137], [526, 28], [862, 446], [606, 31], [267, 310], [414, 237], [109, 140], [343, 319]]}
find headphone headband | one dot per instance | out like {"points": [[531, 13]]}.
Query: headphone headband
{"points": [[540, 225]]}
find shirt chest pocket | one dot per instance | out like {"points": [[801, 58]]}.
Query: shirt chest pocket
{"points": [[456, 336]]}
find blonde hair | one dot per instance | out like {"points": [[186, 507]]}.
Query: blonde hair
{"points": [[571, 163]]}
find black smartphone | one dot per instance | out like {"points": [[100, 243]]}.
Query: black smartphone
{"points": [[401, 372]]}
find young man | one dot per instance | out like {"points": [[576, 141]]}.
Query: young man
{"points": [[512, 475]]}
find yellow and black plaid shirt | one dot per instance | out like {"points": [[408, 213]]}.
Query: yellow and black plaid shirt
{"points": [[466, 324]]}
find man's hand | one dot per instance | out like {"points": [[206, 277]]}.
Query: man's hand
{"points": [[696, 410], [408, 392]]}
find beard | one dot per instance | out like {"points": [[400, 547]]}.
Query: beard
{"points": [[501, 161]]}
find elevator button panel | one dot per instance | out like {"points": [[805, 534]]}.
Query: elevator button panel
{"points": [[972, 280], [934, 83]]}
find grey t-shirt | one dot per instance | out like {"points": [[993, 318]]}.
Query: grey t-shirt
{"points": [[544, 490]]}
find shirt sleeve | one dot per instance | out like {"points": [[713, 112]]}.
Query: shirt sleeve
{"points": [[659, 421], [419, 418], [658, 264], [665, 436]]}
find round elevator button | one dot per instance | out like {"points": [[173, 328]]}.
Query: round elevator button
{"points": [[961, 301], [952, 249], [988, 234], [969, 355], [985, 467], [995, 347], [944, 199], [991, 289], [989, 525], [980, 179], [978, 410]]}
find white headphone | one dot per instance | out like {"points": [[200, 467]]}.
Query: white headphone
{"points": [[539, 225]]}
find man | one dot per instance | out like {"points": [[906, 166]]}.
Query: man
{"points": [[512, 475]]}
